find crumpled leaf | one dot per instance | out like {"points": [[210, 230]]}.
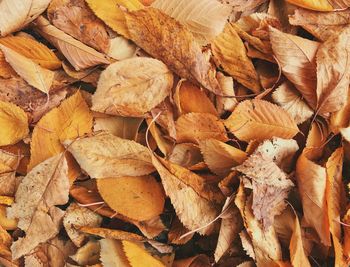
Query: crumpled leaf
{"points": [[45, 186], [178, 51], [321, 24], [68, 121], [296, 56], [269, 183], [33, 50], [112, 253], [77, 216], [110, 156], [13, 124], [78, 54], [205, 19], [259, 120], [75, 18], [30, 71], [224, 104], [333, 72], [193, 127], [17, 14], [88, 254], [132, 87], [138, 198], [230, 53], [194, 216], [292, 101]]}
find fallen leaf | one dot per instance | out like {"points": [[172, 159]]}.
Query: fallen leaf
{"points": [[178, 51], [41, 189], [77, 216], [205, 20], [346, 245], [297, 57], [230, 53], [110, 156], [75, 18], [121, 48], [224, 104], [78, 54], [112, 253], [17, 14], [185, 155], [341, 118], [321, 5], [88, 254], [138, 198], [193, 127], [195, 261], [132, 87], [259, 120], [292, 101], [5, 222], [30, 71], [176, 232], [13, 122], [333, 75]]}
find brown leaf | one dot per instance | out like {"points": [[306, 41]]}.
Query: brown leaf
{"points": [[149, 28]]}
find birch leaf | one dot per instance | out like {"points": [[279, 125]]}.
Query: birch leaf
{"points": [[110, 156], [260, 120], [230, 53], [205, 20], [291, 101], [79, 55], [17, 14], [333, 72], [41, 189], [296, 56], [132, 87], [178, 51], [30, 71], [138, 198], [138, 256], [112, 253]]}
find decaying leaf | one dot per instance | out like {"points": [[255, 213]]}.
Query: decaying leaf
{"points": [[259, 120], [178, 50], [45, 186], [110, 156], [230, 53], [138, 198], [132, 87]]}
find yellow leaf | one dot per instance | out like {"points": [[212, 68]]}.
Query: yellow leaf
{"points": [[33, 50], [139, 198], [6, 200], [260, 120], [110, 12], [318, 5], [230, 52], [13, 124], [6, 223], [30, 71], [68, 121], [138, 256]]}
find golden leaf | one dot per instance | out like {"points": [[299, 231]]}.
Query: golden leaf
{"points": [[13, 124], [112, 253], [259, 120], [178, 51], [318, 5], [230, 53], [138, 198], [6, 223], [138, 256]]}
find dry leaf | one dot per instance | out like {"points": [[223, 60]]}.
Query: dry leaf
{"points": [[121, 48], [41, 189], [292, 101], [13, 124], [32, 50], [296, 56], [138, 256], [193, 127], [88, 254], [138, 198], [205, 19], [77, 216], [112, 253], [17, 14], [221, 157], [30, 71], [185, 155], [132, 87], [341, 118], [230, 53], [259, 120], [333, 75], [5, 222], [75, 18], [69, 121], [178, 50], [200, 260], [321, 5], [78, 54], [110, 156], [224, 104]]}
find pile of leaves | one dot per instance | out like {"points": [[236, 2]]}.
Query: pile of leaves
{"points": [[178, 133]]}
